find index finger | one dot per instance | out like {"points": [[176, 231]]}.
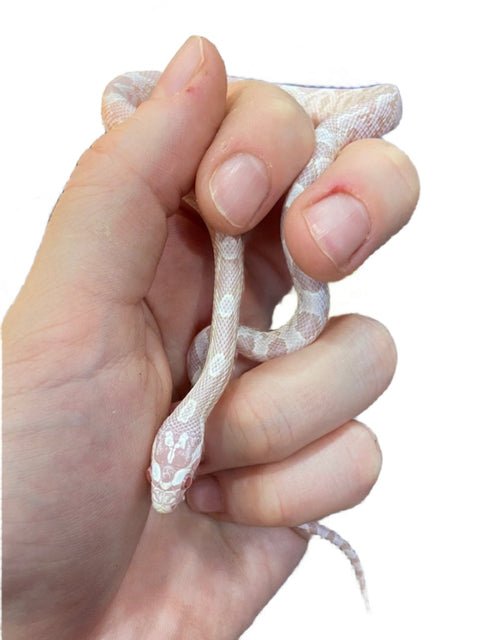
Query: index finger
{"points": [[262, 144]]}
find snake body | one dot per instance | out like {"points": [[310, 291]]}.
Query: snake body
{"points": [[340, 116]]}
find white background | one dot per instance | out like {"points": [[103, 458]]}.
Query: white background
{"points": [[418, 532]]}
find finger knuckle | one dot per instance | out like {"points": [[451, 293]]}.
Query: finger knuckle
{"points": [[271, 501], [259, 423]]}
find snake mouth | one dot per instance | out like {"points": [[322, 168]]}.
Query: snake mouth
{"points": [[165, 501], [160, 508]]}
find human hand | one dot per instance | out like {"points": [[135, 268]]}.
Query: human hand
{"points": [[94, 353]]}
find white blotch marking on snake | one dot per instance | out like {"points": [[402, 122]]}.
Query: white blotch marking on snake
{"points": [[340, 117]]}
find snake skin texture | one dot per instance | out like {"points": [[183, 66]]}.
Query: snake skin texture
{"points": [[340, 116]]}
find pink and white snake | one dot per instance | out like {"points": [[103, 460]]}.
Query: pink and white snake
{"points": [[340, 116]]}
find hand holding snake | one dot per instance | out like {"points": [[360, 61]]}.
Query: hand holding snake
{"points": [[111, 306]]}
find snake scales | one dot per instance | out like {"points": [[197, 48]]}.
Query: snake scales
{"points": [[340, 116]]}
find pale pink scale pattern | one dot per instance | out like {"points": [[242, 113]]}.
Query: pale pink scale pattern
{"points": [[340, 116]]}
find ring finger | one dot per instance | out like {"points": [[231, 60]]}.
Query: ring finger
{"points": [[279, 407]]}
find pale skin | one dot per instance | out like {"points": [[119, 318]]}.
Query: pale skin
{"points": [[94, 356]]}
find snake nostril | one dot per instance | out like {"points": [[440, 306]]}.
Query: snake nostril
{"points": [[187, 483]]}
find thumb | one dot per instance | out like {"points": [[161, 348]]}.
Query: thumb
{"points": [[107, 232]]}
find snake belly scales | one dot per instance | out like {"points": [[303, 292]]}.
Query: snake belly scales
{"points": [[340, 116]]}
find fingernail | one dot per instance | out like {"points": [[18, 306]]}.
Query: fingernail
{"points": [[205, 496], [183, 66], [339, 224], [238, 187]]}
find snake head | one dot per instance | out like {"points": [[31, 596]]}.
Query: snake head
{"points": [[176, 454]]}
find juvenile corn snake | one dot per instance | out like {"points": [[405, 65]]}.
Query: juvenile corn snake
{"points": [[340, 116]]}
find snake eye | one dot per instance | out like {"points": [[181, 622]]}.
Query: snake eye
{"points": [[187, 483]]}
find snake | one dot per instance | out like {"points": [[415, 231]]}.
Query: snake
{"points": [[340, 115]]}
